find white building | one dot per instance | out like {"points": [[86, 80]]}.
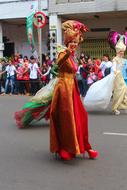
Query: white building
{"points": [[100, 16], [13, 36]]}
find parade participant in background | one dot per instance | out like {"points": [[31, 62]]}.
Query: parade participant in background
{"points": [[124, 71], [120, 88], [68, 118], [99, 94]]}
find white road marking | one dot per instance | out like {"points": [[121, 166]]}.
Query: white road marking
{"points": [[116, 134]]}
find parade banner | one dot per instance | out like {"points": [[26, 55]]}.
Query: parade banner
{"points": [[29, 30]]}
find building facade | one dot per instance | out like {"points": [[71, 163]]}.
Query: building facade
{"points": [[13, 37], [100, 16]]}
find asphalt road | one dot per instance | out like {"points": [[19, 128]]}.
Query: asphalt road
{"points": [[26, 163]]}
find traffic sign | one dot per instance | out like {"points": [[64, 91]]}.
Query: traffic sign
{"points": [[39, 19]]}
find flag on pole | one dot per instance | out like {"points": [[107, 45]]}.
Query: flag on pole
{"points": [[29, 30]]}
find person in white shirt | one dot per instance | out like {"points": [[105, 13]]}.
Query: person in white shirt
{"points": [[106, 65], [34, 71], [11, 70]]}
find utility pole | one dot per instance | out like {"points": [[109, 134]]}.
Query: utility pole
{"points": [[40, 37]]}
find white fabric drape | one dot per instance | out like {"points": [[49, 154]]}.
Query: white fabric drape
{"points": [[99, 94]]}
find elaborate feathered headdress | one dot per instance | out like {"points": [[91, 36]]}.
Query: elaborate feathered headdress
{"points": [[73, 30], [117, 41]]}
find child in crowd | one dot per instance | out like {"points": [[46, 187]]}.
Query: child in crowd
{"points": [[92, 77]]}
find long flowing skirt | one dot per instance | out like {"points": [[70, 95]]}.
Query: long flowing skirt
{"points": [[120, 93], [38, 107], [68, 119], [99, 94]]}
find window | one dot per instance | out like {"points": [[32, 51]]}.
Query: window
{"points": [[96, 48]]}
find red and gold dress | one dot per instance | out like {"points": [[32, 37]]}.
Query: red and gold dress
{"points": [[60, 101], [68, 117]]}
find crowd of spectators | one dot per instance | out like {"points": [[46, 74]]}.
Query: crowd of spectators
{"points": [[91, 70], [23, 76]]}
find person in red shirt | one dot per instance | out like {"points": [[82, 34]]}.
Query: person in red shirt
{"points": [[26, 77], [16, 61], [97, 69], [19, 77], [84, 71]]}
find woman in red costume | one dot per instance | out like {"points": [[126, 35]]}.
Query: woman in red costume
{"points": [[68, 118]]}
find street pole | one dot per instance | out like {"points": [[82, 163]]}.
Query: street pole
{"points": [[40, 37]]}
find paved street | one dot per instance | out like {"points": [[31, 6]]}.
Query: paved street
{"points": [[26, 164]]}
